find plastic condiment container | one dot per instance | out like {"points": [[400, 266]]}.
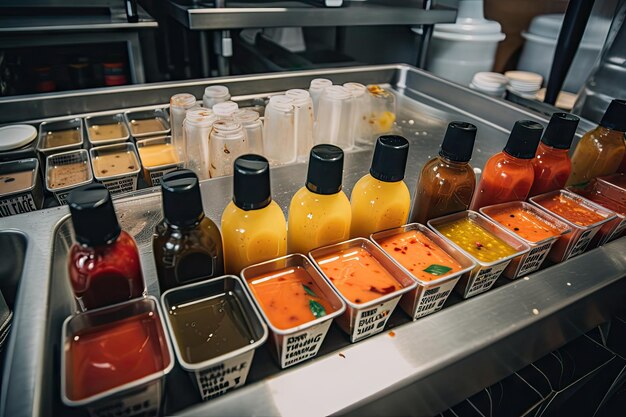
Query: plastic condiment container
{"points": [[20, 187], [60, 184], [539, 248], [429, 296], [138, 397], [60, 136], [145, 123], [613, 229], [17, 142], [577, 241], [158, 157], [613, 187], [382, 108], [297, 343], [361, 320], [229, 370], [106, 130], [485, 274], [120, 182]]}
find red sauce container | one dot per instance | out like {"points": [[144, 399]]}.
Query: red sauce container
{"points": [[582, 216], [115, 359], [508, 175], [103, 264]]}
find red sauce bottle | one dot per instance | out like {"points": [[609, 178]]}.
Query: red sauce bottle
{"points": [[552, 164], [508, 175], [103, 264]]}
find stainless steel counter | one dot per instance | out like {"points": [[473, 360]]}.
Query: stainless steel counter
{"points": [[420, 369], [294, 13]]}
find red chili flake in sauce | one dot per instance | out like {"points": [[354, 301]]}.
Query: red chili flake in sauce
{"points": [[397, 249], [412, 241], [385, 290]]}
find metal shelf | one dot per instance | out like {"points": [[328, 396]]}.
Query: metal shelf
{"points": [[292, 13], [423, 368]]}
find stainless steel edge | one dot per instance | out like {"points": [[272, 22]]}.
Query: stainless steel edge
{"points": [[439, 360], [484, 338], [303, 15]]}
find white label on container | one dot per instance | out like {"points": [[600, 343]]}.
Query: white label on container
{"points": [[372, 320], [583, 241], [140, 402], [485, 278], [223, 377], [534, 258], [121, 185], [303, 345], [17, 204], [433, 298], [618, 230]]}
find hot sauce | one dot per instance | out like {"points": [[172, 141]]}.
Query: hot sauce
{"points": [[508, 175], [420, 255], [289, 297], [475, 240], [381, 200], [571, 210], [319, 213], [446, 183], [601, 150], [551, 163], [107, 356], [357, 275], [103, 265], [525, 224]]}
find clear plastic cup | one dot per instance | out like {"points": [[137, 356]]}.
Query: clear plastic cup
{"points": [[225, 110], [316, 88], [382, 113], [197, 128], [227, 143], [214, 94], [362, 130], [253, 128], [303, 119], [179, 104], [279, 135], [334, 118]]}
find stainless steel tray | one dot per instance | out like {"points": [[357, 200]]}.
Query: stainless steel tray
{"points": [[413, 370]]}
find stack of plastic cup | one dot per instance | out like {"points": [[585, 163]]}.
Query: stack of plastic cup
{"points": [[316, 88], [252, 127], [197, 128], [215, 94], [225, 110], [227, 143], [362, 131], [279, 135], [303, 118], [179, 104], [334, 122]]}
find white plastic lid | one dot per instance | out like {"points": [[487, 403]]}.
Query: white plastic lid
{"points": [[470, 25], [16, 136], [320, 83], [549, 26], [225, 109], [216, 91]]}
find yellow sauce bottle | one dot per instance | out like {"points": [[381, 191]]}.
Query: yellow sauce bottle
{"points": [[601, 150], [381, 200], [253, 226], [319, 213]]}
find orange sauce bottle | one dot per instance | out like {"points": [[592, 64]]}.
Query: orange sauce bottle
{"points": [[381, 200], [508, 175], [601, 150], [552, 164], [446, 183]]}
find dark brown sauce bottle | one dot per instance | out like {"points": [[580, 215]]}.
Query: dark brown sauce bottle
{"points": [[446, 183], [187, 245]]}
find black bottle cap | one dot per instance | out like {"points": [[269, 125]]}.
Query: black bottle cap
{"points": [[93, 215], [615, 116], [251, 182], [389, 161], [560, 131], [182, 202], [325, 169], [524, 139], [458, 143]]}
